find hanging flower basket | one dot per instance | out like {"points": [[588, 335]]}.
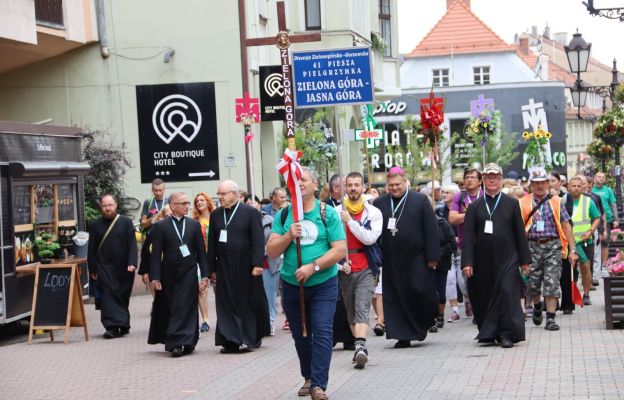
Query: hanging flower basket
{"points": [[599, 150], [610, 127]]}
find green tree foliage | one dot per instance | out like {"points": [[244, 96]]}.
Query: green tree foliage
{"points": [[109, 164]]}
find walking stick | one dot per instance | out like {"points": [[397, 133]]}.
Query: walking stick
{"points": [[302, 310]]}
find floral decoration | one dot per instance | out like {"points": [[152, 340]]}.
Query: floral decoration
{"points": [[600, 150], [536, 149], [610, 126], [479, 128], [615, 265]]}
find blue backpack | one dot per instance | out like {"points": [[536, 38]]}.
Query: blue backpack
{"points": [[373, 252]]}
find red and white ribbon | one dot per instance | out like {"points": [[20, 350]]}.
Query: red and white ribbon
{"points": [[291, 170]]}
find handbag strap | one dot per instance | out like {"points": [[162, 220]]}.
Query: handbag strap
{"points": [[106, 234], [544, 200]]}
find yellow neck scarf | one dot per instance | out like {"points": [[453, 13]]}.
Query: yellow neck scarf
{"points": [[354, 208]]}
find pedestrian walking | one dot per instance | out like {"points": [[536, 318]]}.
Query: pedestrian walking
{"points": [[178, 249], [112, 260], [547, 226], [235, 260], [322, 246], [202, 207], [410, 253], [494, 246], [363, 223]]}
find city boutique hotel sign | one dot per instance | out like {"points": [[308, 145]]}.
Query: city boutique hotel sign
{"points": [[178, 132], [332, 77]]}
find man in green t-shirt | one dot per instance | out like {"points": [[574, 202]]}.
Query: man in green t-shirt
{"points": [[585, 220], [610, 206], [323, 244]]}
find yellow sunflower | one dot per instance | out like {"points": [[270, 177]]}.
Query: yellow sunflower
{"points": [[526, 135], [547, 135]]}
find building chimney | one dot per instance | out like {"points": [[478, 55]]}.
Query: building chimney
{"points": [[449, 3], [561, 37], [534, 30], [524, 45], [547, 32]]}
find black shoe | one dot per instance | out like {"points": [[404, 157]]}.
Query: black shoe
{"points": [[433, 329], [440, 322], [379, 330], [187, 349], [595, 282], [538, 317], [230, 349], [98, 305], [402, 344], [551, 325], [586, 300], [567, 312], [112, 333], [124, 331], [177, 351], [348, 346], [506, 343]]}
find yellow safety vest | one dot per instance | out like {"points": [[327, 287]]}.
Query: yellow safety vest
{"points": [[580, 217]]}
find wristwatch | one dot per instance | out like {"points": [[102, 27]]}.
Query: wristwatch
{"points": [[572, 250], [317, 268]]}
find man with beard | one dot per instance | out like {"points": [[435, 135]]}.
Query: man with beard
{"points": [[235, 259], [410, 252], [178, 249], [494, 246], [112, 261], [363, 225]]}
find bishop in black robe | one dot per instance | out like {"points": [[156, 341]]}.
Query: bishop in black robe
{"points": [[242, 308], [496, 284], [110, 264], [410, 301], [175, 321]]}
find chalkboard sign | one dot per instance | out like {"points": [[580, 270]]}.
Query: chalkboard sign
{"points": [[57, 300], [21, 205], [52, 296], [66, 204]]}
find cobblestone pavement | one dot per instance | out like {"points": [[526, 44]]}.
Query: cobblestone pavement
{"points": [[583, 360]]}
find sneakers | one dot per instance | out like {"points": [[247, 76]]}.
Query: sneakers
{"points": [[433, 329], [551, 325], [468, 307], [286, 326], [454, 317], [112, 333], [586, 300], [440, 322], [595, 282], [204, 327], [360, 358], [537, 317]]}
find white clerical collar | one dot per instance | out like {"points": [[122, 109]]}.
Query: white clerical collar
{"points": [[177, 218], [492, 195]]}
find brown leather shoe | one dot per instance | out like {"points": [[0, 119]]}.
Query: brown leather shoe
{"points": [[318, 394], [305, 389]]}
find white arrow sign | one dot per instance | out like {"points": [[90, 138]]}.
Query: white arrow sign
{"points": [[210, 173]]}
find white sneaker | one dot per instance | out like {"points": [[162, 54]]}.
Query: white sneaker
{"points": [[454, 317], [272, 330]]}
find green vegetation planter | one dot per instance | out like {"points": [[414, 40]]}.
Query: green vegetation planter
{"points": [[614, 299]]}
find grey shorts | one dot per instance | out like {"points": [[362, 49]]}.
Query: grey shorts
{"points": [[357, 292], [545, 269]]}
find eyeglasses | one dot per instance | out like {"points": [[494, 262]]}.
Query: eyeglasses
{"points": [[184, 203], [221, 194]]}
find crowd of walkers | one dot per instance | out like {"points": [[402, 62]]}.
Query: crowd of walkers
{"points": [[508, 250]]}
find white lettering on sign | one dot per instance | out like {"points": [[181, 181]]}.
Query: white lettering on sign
{"points": [[375, 160], [56, 282], [43, 147], [162, 158], [534, 116], [388, 107]]}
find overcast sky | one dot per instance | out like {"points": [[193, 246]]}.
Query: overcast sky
{"points": [[508, 17]]}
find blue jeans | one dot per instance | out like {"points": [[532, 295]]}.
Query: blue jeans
{"points": [[270, 282], [315, 350]]}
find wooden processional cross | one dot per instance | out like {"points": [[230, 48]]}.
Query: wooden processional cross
{"points": [[283, 41]]}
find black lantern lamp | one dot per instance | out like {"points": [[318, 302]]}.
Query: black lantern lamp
{"points": [[577, 53]]}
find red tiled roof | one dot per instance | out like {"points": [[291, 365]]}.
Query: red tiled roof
{"points": [[459, 31]]}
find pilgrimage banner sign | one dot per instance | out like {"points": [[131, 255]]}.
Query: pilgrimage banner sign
{"points": [[332, 77]]}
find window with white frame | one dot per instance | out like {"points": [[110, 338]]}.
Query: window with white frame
{"points": [[481, 75], [441, 77], [385, 25], [313, 15]]}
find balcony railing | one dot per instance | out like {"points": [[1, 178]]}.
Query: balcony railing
{"points": [[49, 13]]}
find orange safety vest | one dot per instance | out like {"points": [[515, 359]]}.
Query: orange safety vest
{"points": [[526, 206]]}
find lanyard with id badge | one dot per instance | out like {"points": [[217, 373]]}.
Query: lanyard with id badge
{"points": [[539, 224], [184, 251], [223, 234], [392, 221], [489, 225]]}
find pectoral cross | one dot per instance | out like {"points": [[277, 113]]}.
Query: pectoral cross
{"points": [[394, 231]]}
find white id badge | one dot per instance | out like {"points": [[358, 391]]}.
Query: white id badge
{"points": [[184, 251], [539, 226], [489, 227], [391, 223], [223, 236]]}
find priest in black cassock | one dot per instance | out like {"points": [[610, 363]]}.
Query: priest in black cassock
{"points": [[235, 259], [410, 254], [494, 248], [112, 260], [178, 250]]}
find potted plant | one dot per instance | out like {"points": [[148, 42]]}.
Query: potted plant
{"points": [[614, 290], [46, 246]]}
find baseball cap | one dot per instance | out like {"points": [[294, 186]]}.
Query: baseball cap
{"points": [[492, 168], [538, 174]]}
